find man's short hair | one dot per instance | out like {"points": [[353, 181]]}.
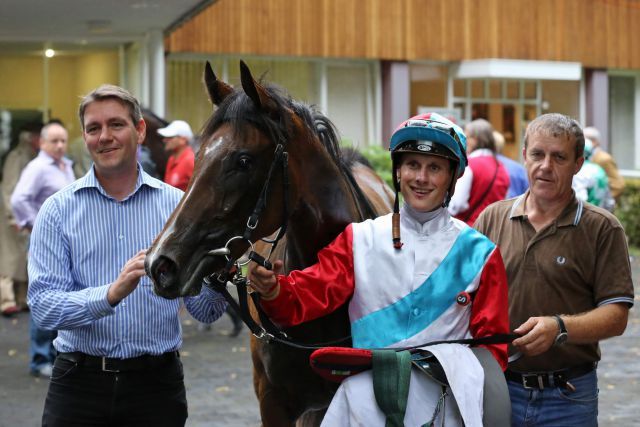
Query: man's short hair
{"points": [[482, 131], [499, 140], [45, 128], [558, 126], [107, 91]]}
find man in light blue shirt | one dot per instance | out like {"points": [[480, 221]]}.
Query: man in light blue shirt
{"points": [[117, 340], [47, 173]]}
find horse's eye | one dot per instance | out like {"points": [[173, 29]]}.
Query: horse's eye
{"points": [[244, 163]]}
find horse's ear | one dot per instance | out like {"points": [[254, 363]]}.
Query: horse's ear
{"points": [[217, 89], [255, 91]]}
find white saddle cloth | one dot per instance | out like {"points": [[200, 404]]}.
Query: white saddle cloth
{"points": [[354, 404]]}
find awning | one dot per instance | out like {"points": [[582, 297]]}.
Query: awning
{"points": [[517, 69]]}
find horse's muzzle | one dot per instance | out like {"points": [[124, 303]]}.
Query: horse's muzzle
{"points": [[164, 273]]}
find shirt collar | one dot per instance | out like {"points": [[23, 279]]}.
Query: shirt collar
{"points": [[570, 215], [432, 226], [91, 181], [45, 156]]}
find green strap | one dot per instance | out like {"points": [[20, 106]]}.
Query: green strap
{"points": [[391, 375]]}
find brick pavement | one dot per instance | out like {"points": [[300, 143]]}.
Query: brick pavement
{"points": [[219, 384]]}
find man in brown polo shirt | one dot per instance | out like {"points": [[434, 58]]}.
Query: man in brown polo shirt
{"points": [[569, 280]]}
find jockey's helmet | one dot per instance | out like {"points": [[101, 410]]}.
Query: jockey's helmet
{"points": [[431, 134]]}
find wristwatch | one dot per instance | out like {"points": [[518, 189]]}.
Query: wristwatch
{"points": [[562, 336]]}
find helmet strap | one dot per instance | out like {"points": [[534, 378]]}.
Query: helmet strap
{"points": [[395, 222], [395, 218], [452, 186]]}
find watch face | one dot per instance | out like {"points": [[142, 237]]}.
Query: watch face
{"points": [[561, 338]]}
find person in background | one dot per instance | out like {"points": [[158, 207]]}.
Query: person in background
{"points": [[606, 162], [591, 183], [518, 182], [13, 240], [43, 176], [177, 138], [389, 272], [118, 361], [485, 180], [569, 281]]}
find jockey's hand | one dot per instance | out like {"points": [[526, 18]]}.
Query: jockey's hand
{"points": [[538, 335], [128, 279], [265, 282]]}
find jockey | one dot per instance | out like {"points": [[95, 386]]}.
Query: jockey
{"points": [[410, 277]]}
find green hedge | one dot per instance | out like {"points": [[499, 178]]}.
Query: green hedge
{"points": [[380, 160], [628, 210]]}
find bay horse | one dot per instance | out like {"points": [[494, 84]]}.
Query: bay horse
{"points": [[318, 199]]}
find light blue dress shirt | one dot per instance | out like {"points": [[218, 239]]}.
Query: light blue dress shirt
{"points": [[81, 239]]}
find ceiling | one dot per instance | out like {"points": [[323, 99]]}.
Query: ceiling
{"points": [[74, 26]]}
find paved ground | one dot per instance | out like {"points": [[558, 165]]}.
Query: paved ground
{"points": [[218, 375]]}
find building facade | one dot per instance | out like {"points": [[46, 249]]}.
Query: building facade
{"points": [[368, 65]]}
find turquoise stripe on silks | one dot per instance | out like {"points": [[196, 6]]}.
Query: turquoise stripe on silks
{"points": [[391, 378], [461, 265]]}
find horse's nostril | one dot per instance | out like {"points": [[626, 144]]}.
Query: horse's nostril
{"points": [[164, 271]]}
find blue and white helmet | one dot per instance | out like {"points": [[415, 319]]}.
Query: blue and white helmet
{"points": [[433, 134]]}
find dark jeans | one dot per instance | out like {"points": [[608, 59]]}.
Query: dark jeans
{"points": [[41, 346], [86, 396], [556, 406]]}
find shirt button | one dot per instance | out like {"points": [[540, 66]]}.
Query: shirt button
{"points": [[121, 237], [416, 311]]}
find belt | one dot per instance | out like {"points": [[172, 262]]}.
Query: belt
{"points": [[108, 364], [542, 380]]}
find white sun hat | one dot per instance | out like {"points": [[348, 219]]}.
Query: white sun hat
{"points": [[177, 128]]}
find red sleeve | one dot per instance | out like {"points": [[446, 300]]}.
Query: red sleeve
{"points": [[490, 310], [317, 290]]}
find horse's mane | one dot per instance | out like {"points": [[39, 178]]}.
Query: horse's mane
{"points": [[238, 110]]}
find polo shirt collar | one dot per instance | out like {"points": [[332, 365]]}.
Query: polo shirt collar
{"points": [[91, 181], [570, 215]]}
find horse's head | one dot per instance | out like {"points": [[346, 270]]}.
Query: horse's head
{"points": [[238, 151]]}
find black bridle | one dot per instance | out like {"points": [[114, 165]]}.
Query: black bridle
{"points": [[233, 269]]}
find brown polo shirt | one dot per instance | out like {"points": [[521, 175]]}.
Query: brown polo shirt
{"points": [[577, 263]]}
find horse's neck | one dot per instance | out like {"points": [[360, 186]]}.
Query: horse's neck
{"points": [[323, 212]]}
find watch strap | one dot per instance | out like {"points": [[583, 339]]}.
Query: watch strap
{"points": [[562, 328]]}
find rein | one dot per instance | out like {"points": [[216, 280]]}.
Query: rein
{"points": [[268, 331]]}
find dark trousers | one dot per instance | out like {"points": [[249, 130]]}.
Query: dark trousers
{"points": [[85, 396]]}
